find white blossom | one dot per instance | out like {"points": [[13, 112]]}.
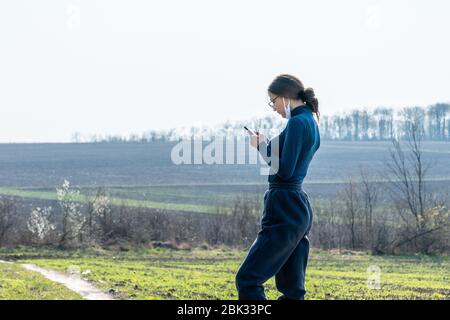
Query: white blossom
{"points": [[73, 219], [39, 222], [100, 205]]}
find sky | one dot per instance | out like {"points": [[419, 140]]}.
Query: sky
{"points": [[122, 67]]}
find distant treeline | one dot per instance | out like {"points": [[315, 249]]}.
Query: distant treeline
{"points": [[356, 125], [385, 123]]}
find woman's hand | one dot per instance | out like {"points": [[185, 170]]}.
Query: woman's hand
{"points": [[256, 139]]}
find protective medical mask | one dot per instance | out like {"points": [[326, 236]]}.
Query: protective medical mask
{"points": [[287, 109]]}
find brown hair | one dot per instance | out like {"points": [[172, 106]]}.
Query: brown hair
{"points": [[288, 86]]}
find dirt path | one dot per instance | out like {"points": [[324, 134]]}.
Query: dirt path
{"points": [[74, 283]]}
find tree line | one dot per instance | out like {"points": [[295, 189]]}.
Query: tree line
{"points": [[379, 124], [386, 124]]}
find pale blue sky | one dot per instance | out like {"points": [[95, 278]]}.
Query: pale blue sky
{"points": [[118, 67]]}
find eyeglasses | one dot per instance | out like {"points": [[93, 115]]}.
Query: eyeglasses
{"points": [[272, 102]]}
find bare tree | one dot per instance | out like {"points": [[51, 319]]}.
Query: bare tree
{"points": [[384, 118], [352, 210], [98, 222], [437, 114], [356, 116], [8, 210], [412, 116], [369, 196], [406, 174]]}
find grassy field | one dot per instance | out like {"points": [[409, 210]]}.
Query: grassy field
{"points": [[184, 198], [19, 284], [51, 196], [156, 273], [142, 175]]}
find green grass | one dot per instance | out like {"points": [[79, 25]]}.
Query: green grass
{"points": [[186, 197], [51, 195], [170, 198], [19, 284], [155, 273]]}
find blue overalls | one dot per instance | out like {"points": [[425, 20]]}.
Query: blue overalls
{"points": [[281, 247]]}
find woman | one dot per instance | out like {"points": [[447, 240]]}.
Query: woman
{"points": [[281, 247]]}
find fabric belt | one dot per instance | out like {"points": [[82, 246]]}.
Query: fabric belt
{"points": [[286, 185]]}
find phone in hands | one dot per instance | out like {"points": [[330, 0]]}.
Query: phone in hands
{"points": [[250, 131]]}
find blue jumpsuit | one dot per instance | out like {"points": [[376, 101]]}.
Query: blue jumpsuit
{"points": [[281, 247]]}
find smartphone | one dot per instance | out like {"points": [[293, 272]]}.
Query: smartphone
{"points": [[250, 131]]}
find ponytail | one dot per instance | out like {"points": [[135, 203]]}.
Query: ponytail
{"points": [[310, 99]]}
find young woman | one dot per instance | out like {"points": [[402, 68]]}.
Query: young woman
{"points": [[281, 247]]}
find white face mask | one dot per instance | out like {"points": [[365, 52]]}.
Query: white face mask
{"points": [[287, 109]]}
